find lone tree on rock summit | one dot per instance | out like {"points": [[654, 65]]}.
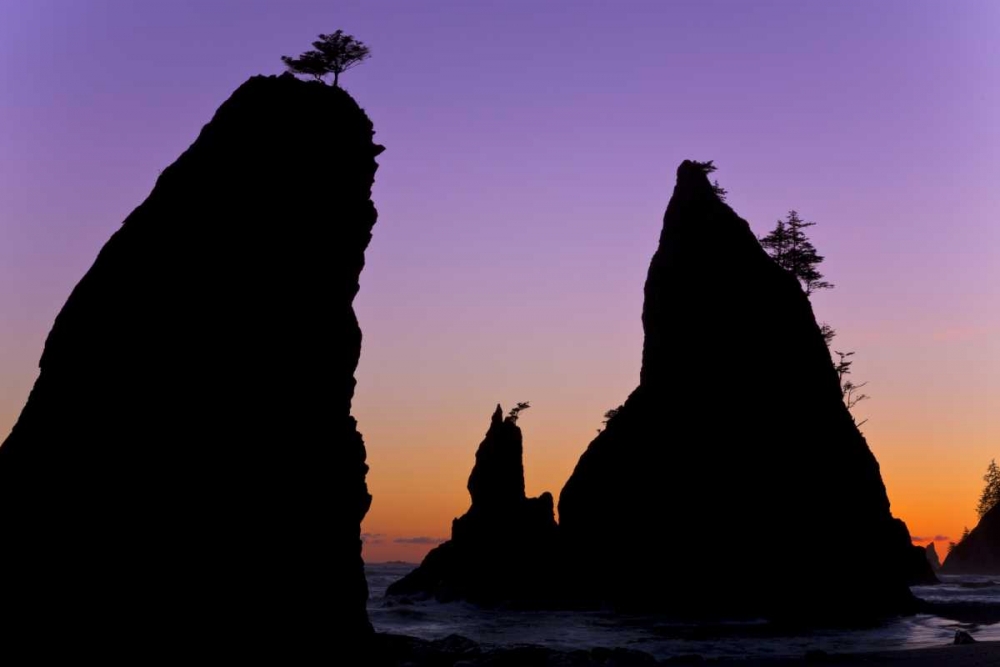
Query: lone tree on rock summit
{"points": [[334, 53]]}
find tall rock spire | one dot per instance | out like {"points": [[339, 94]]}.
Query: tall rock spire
{"points": [[736, 434], [504, 548], [187, 456]]}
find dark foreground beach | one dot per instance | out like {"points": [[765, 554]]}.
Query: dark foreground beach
{"points": [[455, 651]]}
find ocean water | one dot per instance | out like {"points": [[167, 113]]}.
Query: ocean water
{"points": [[567, 630]]}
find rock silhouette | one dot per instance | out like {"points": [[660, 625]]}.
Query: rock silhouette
{"points": [[932, 557], [186, 469], [504, 548], [917, 569], [979, 552], [736, 434]]}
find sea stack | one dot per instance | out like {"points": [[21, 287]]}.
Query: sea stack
{"points": [[979, 552], [504, 548], [186, 470], [736, 435], [932, 557]]}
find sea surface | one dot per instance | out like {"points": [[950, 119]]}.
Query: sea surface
{"points": [[565, 630]]}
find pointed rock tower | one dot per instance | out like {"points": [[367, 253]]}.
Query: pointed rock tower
{"points": [[736, 435], [503, 549], [186, 470], [932, 557]]}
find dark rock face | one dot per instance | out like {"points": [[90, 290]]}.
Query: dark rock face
{"points": [[932, 557], [917, 569], [187, 456], [504, 548], [736, 434], [979, 552]]}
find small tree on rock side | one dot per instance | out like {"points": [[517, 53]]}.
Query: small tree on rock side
{"points": [[611, 414], [851, 391], [515, 411], [335, 53], [789, 246], [708, 168], [791, 249], [991, 492]]}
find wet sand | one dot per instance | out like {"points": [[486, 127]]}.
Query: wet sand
{"points": [[399, 651], [982, 654]]}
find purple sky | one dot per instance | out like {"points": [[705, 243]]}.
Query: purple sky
{"points": [[531, 148]]}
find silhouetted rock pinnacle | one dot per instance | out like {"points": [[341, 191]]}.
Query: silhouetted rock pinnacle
{"points": [[979, 552], [186, 469], [932, 557], [736, 435], [502, 549], [497, 479]]}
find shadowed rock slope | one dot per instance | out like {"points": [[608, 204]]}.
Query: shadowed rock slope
{"points": [[736, 434], [187, 456], [502, 549], [979, 552]]}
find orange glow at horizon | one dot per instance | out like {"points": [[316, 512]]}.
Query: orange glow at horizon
{"points": [[417, 496], [933, 439]]}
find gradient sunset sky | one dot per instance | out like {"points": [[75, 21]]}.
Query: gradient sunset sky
{"points": [[531, 151]]}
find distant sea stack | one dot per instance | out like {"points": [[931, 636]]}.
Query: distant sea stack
{"points": [[979, 552], [504, 548], [932, 557], [737, 435], [187, 456]]}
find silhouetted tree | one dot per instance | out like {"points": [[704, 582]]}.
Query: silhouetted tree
{"points": [[335, 53], [611, 414], [789, 246], [951, 546], [775, 243], [310, 63], [828, 333], [708, 168], [850, 391], [720, 191], [991, 493], [791, 249], [515, 412]]}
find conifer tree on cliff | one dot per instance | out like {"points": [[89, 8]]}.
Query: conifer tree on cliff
{"points": [[788, 244], [708, 168], [991, 493], [334, 53]]}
